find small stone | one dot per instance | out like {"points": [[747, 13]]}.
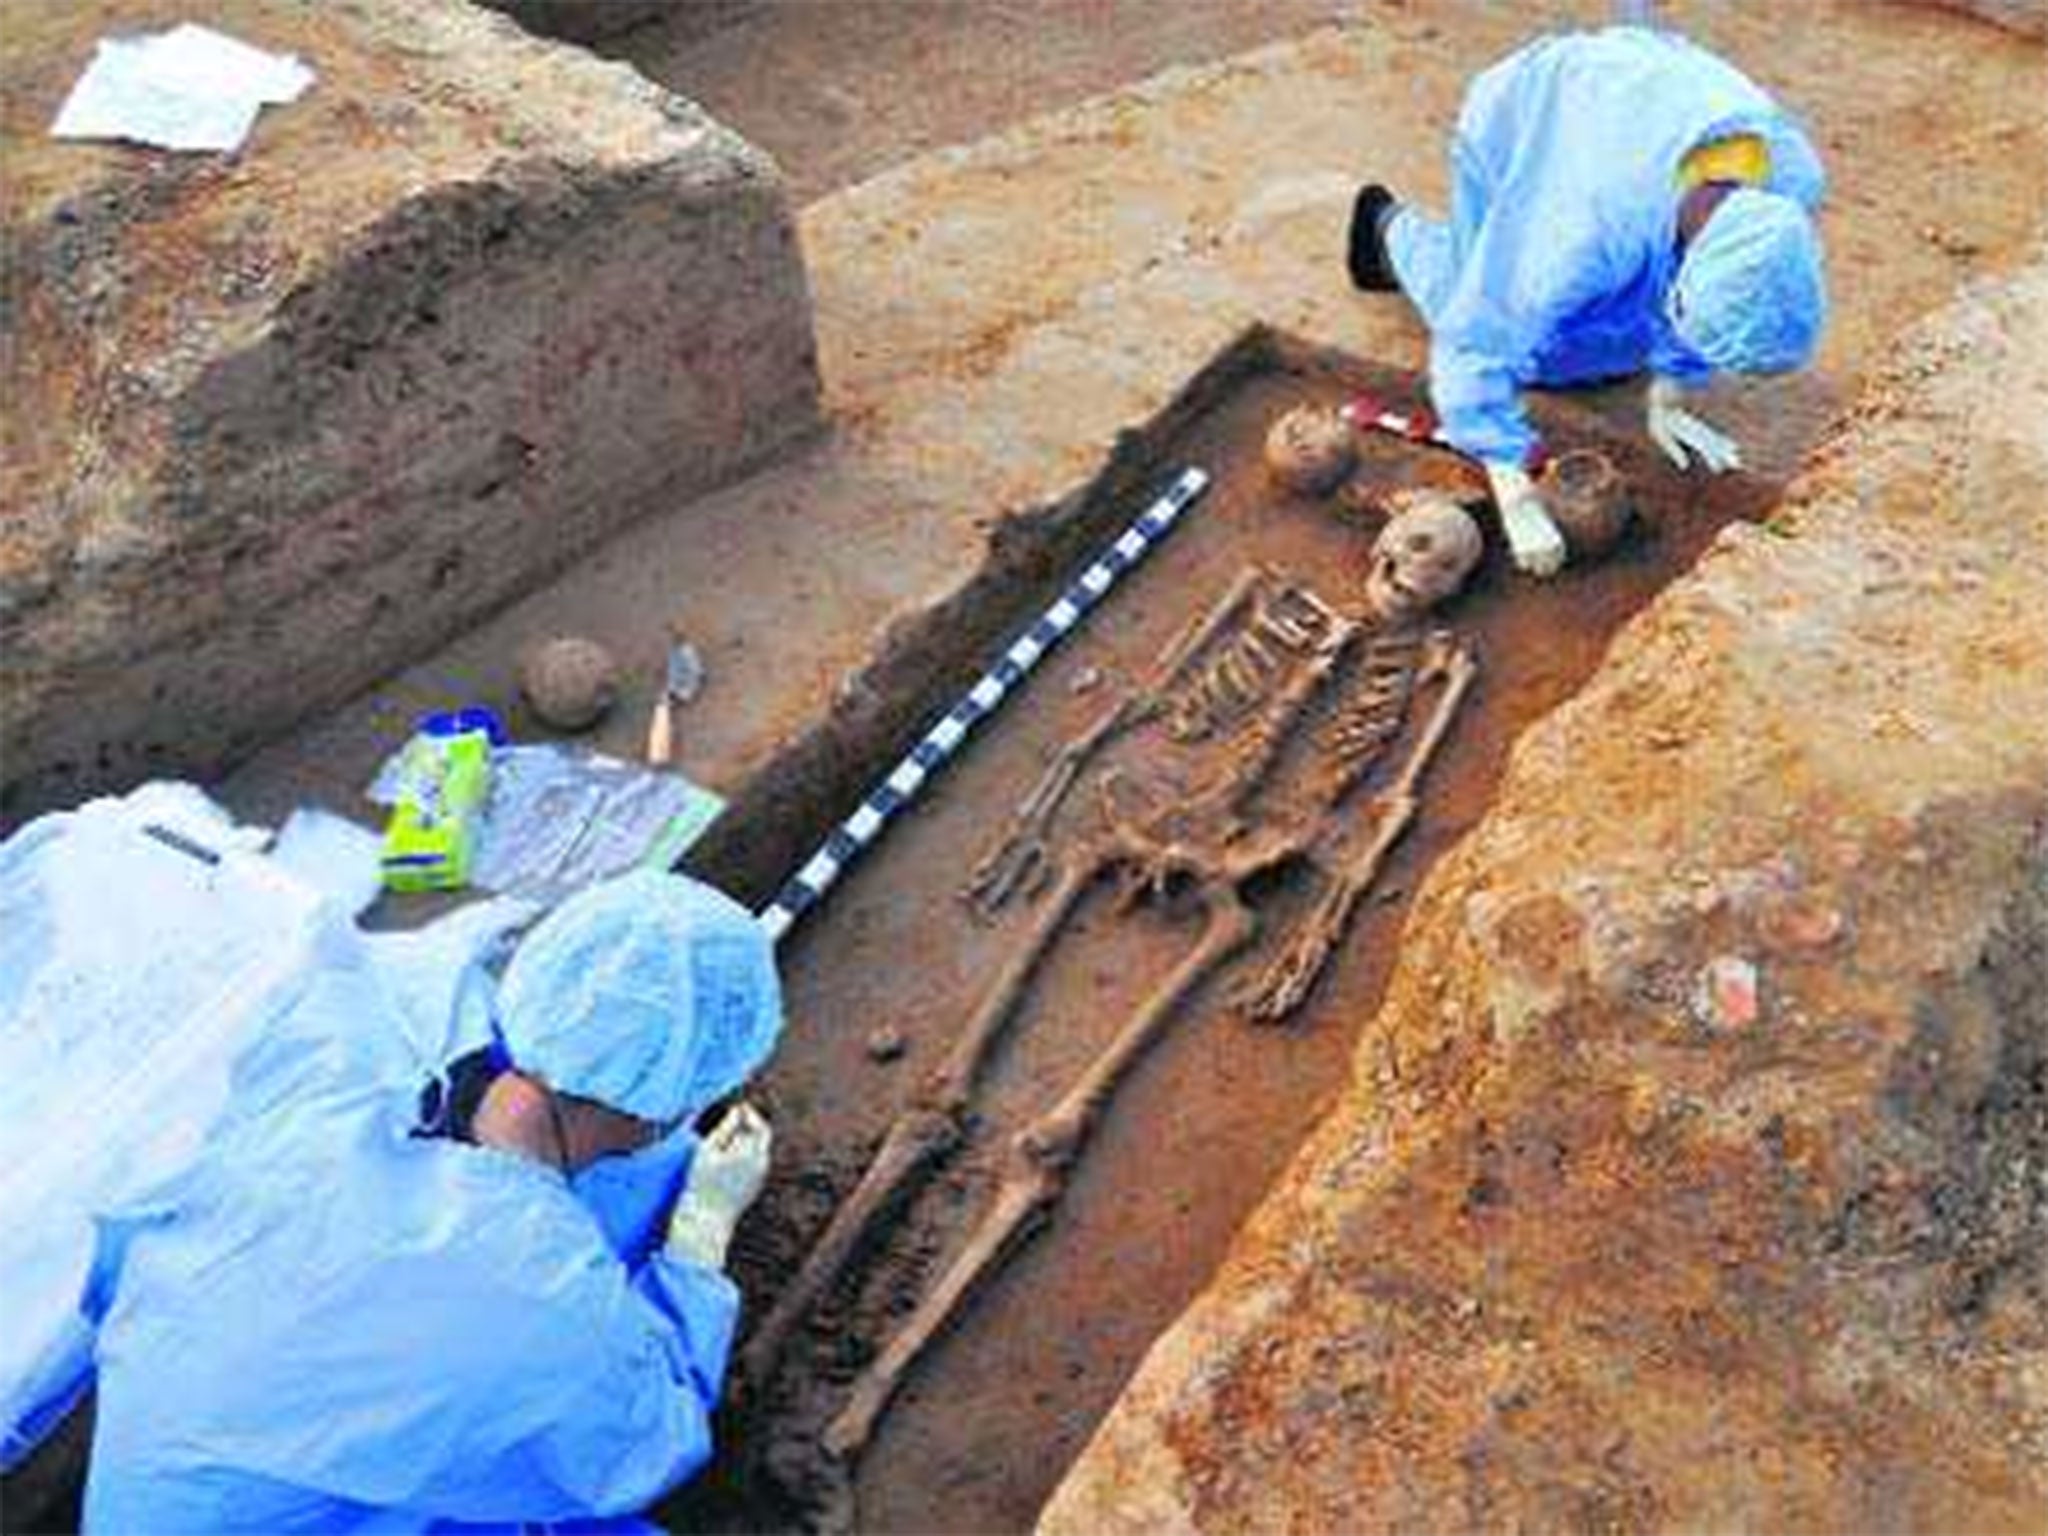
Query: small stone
{"points": [[1950, 242], [1087, 680], [1804, 925], [1641, 1108], [1726, 995], [886, 1045], [569, 681]]}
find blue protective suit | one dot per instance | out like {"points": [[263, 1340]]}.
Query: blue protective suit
{"points": [[1562, 241], [329, 1322]]}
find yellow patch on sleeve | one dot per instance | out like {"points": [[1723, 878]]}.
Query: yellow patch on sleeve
{"points": [[1744, 158]]}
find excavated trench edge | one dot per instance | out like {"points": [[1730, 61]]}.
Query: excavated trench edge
{"points": [[925, 660]]}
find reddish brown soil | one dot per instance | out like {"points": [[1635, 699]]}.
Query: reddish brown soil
{"points": [[984, 1427], [838, 92], [1932, 173]]}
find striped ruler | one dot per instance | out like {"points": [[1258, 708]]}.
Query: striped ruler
{"points": [[850, 839]]}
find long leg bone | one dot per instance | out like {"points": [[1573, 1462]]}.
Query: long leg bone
{"points": [[1018, 862], [1039, 1163], [934, 1123], [1286, 982], [926, 1131]]}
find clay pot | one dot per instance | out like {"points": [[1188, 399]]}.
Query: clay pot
{"points": [[1310, 450], [1589, 501], [568, 681]]}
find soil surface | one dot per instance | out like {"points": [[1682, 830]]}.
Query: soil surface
{"points": [[1693, 1175], [276, 428], [988, 1421], [839, 92], [991, 315], [988, 319]]}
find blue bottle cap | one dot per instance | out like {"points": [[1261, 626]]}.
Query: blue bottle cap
{"points": [[460, 722]]}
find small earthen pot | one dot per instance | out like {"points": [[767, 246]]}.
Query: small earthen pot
{"points": [[1589, 501], [568, 681], [1310, 450]]}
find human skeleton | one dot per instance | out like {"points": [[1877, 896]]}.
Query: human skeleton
{"points": [[1185, 790]]}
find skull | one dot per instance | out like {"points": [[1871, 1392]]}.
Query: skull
{"points": [[1310, 449], [1428, 547]]}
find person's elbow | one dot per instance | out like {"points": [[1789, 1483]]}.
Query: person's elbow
{"points": [[638, 1423], [635, 1443], [656, 1467], [1479, 407]]}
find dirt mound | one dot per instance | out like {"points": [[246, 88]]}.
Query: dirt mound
{"points": [[1695, 1173], [282, 420]]}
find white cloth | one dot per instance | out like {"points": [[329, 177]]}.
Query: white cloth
{"points": [[143, 941]]}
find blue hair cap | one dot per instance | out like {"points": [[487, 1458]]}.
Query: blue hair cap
{"points": [[651, 993], [1750, 295]]}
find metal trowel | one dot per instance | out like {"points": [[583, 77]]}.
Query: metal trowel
{"points": [[685, 675]]}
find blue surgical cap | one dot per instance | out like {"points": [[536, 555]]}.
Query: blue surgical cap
{"points": [[1750, 296], [651, 993]]}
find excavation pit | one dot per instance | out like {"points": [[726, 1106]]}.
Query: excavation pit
{"points": [[995, 1410]]}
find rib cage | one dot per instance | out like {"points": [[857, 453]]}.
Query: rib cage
{"points": [[1371, 717]]}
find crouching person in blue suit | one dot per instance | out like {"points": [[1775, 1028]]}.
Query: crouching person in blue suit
{"points": [[1621, 201], [369, 1307]]}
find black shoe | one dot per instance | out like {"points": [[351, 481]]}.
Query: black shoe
{"points": [[1371, 270]]}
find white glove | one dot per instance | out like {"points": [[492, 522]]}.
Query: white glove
{"points": [[1533, 539], [726, 1173], [1683, 436]]}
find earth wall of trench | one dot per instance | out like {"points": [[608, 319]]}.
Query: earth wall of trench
{"points": [[1694, 1173], [281, 421]]}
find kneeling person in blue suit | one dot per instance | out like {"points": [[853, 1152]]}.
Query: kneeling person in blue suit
{"points": [[369, 1308], [1621, 200]]}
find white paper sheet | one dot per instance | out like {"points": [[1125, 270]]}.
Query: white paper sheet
{"points": [[189, 88], [560, 818]]}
